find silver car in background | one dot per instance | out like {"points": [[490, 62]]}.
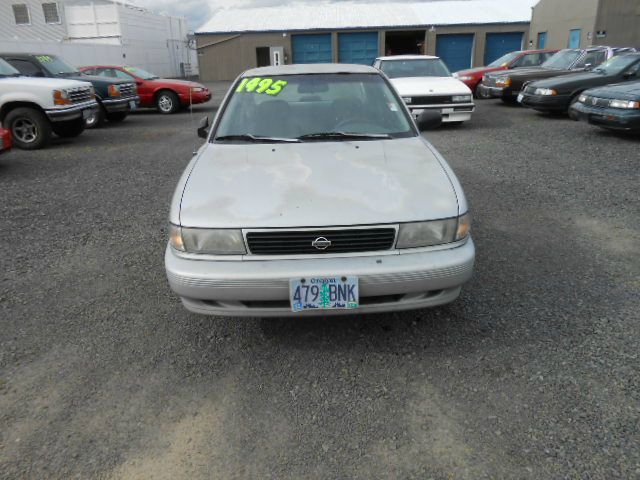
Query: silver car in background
{"points": [[316, 194]]}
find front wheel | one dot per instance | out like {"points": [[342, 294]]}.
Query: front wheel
{"points": [[96, 119], [69, 129], [30, 128], [167, 102], [117, 116], [573, 101]]}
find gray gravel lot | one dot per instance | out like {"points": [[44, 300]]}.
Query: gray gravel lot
{"points": [[532, 373]]}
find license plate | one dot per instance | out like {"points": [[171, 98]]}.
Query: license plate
{"points": [[132, 105], [323, 293], [448, 110], [520, 97], [86, 114]]}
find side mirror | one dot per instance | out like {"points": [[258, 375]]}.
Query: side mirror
{"points": [[428, 120], [588, 67], [203, 128], [628, 74]]}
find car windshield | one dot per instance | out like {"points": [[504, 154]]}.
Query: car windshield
{"points": [[143, 74], [428, 67], [313, 107], [562, 60], [56, 66], [504, 60], [617, 64], [6, 70]]}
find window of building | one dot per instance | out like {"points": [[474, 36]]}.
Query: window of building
{"points": [[51, 13], [21, 14]]}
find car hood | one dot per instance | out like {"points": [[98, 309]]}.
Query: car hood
{"points": [[479, 71], [316, 184], [100, 80], [43, 82], [430, 86], [621, 91], [514, 72], [573, 80], [533, 74]]}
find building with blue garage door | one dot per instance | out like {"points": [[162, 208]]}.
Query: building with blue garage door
{"points": [[464, 33]]}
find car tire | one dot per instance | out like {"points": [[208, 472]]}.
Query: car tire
{"points": [[97, 118], [29, 127], [167, 102], [573, 101], [117, 116], [70, 129]]}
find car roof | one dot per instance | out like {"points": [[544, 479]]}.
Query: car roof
{"points": [[407, 57], [307, 69]]}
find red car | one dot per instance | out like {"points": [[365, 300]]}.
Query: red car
{"points": [[524, 58], [5, 140], [167, 95]]}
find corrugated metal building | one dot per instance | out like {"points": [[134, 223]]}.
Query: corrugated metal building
{"points": [[464, 33], [98, 31], [581, 23]]}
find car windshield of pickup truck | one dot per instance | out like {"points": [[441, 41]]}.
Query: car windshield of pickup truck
{"points": [[562, 60], [504, 60], [617, 64], [314, 107], [6, 70], [428, 67], [56, 66]]}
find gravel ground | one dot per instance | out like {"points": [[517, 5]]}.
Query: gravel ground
{"points": [[532, 373]]}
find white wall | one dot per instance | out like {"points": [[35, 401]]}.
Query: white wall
{"points": [[38, 30], [78, 54]]}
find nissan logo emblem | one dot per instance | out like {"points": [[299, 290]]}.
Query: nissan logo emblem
{"points": [[321, 243]]}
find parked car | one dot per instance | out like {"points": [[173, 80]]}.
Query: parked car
{"points": [[507, 86], [34, 108], [116, 98], [614, 107], [316, 194], [472, 77], [167, 95], [5, 140], [425, 83], [557, 94]]}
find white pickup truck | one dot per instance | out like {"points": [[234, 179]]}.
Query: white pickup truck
{"points": [[34, 108]]}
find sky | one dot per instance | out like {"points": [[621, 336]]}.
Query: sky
{"points": [[199, 11]]}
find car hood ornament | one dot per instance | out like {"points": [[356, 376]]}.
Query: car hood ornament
{"points": [[321, 243]]}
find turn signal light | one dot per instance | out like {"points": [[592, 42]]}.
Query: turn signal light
{"points": [[60, 98]]}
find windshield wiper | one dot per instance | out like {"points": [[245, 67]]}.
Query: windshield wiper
{"points": [[343, 136], [257, 138]]}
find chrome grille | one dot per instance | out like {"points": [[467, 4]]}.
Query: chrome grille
{"points": [[300, 242], [489, 81], [127, 89], [79, 95]]}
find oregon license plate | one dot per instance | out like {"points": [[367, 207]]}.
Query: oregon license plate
{"points": [[132, 105], [323, 293], [520, 97]]}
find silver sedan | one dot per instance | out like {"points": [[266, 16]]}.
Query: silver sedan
{"points": [[316, 194]]}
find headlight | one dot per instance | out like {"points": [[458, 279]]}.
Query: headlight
{"points": [[204, 240], [114, 91], [437, 232], [624, 104], [503, 81], [461, 98], [545, 92], [465, 78], [61, 97], [197, 89], [583, 98]]}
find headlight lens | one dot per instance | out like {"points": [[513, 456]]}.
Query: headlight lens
{"points": [[437, 232], [114, 91], [503, 81], [461, 98], [197, 89], [205, 240], [465, 78], [583, 98], [61, 97], [545, 92], [624, 104]]}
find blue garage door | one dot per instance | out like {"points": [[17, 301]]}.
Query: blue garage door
{"points": [[455, 50], [500, 43], [359, 47], [312, 48]]}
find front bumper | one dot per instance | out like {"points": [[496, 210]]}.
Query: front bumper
{"points": [[458, 112], [611, 118], [64, 114], [261, 288], [545, 103], [499, 92], [125, 104], [196, 98]]}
